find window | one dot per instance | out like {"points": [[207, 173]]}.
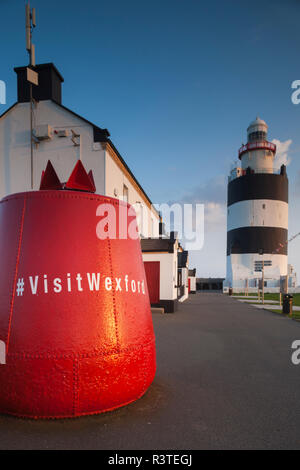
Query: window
{"points": [[179, 278], [257, 136], [125, 193], [139, 216], [264, 206]]}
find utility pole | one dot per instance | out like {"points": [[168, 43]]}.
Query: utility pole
{"points": [[261, 267], [30, 24], [263, 281]]}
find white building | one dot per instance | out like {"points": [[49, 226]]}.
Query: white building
{"points": [[257, 214], [63, 137], [167, 270], [160, 257], [192, 281]]}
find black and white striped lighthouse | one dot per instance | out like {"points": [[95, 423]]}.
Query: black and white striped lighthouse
{"points": [[257, 207]]}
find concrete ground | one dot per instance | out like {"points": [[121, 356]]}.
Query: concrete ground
{"points": [[259, 301], [269, 304], [224, 381]]}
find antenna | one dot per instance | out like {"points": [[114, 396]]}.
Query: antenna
{"points": [[32, 55], [28, 31], [30, 15], [33, 17], [32, 76]]}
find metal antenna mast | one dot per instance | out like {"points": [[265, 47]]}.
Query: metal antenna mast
{"points": [[31, 76]]}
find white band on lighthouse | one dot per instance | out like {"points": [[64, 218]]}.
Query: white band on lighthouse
{"points": [[258, 213]]}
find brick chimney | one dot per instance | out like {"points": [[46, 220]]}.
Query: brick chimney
{"points": [[49, 87]]}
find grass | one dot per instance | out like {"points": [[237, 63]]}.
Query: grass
{"points": [[296, 298], [295, 314], [243, 293], [275, 296]]}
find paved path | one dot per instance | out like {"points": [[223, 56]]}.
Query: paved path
{"points": [[224, 380], [269, 304], [258, 301], [274, 307]]}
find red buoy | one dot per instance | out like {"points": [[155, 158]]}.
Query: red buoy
{"points": [[74, 309]]}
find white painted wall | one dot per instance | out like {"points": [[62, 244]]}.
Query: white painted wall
{"points": [[192, 283], [168, 273], [241, 267], [15, 147], [115, 180], [185, 283], [260, 159], [15, 168], [257, 213]]}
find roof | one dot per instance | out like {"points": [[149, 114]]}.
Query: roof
{"points": [[8, 109], [41, 67], [257, 122], [157, 244], [182, 259], [129, 171], [100, 135]]}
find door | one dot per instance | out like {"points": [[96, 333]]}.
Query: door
{"points": [[152, 270]]}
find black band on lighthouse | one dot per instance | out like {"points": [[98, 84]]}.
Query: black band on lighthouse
{"points": [[254, 239], [258, 186]]}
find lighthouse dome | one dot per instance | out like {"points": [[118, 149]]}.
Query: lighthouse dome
{"points": [[257, 130]]}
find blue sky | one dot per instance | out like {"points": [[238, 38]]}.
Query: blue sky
{"points": [[176, 83]]}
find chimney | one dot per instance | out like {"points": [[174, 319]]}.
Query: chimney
{"points": [[173, 236], [49, 87], [162, 229]]}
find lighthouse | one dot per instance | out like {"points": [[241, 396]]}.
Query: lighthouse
{"points": [[257, 214]]}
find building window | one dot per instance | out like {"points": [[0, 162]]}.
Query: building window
{"points": [[264, 206], [125, 193]]}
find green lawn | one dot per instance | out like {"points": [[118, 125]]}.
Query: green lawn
{"points": [[243, 293], [295, 314], [296, 297]]}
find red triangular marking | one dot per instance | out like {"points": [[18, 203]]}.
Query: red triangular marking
{"points": [[80, 180], [91, 176], [42, 177], [49, 178]]}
